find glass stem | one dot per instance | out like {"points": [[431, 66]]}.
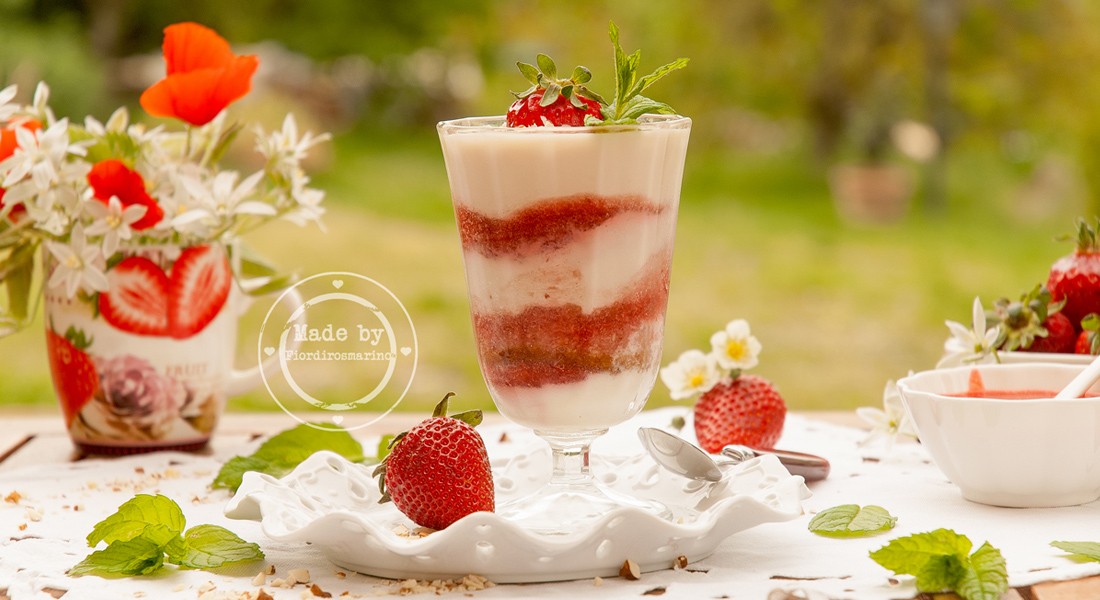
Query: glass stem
{"points": [[570, 458]]}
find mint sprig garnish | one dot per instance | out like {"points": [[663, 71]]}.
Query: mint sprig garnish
{"points": [[851, 520], [629, 103], [941, 561], [148, 531], [1083, 550], [286, 450]]}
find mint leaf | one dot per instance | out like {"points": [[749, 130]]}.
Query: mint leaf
{"points": [[908, 555], [849, 520], [629, 104], [209, 547], [286, 450], [1088, 550], [145, 527], [137, 556], [134, 516], [941, 572], [385, 444], [987, 576], [941, 560]]}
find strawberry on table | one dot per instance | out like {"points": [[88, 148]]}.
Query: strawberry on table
{"points": [[745, 410], [74, 374], [1075, 278], [732, 408], [438, 471]]}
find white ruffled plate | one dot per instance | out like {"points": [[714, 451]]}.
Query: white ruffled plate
{"points": [[333, 504]]}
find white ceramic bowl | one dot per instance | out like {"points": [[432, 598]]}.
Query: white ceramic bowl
{"points": [[1019, 453]]}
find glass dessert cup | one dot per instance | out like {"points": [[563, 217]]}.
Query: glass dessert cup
{"points": [[567, 237]]}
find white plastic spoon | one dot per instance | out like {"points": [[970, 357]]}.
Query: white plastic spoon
{"points": [[1081, 384]]}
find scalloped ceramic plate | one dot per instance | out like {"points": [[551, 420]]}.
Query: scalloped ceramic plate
{"points": [[333, 504]]}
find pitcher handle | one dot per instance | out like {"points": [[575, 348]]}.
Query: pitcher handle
{"points": [[243, 380]]}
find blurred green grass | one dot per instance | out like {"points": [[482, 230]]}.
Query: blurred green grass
{"points": [[840, 308]]}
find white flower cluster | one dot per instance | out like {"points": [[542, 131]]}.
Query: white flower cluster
{"points": [[733, 348], [47, 198]]}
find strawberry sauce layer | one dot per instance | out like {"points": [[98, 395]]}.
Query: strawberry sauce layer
{"points": [[546, 225], [543, 345]]}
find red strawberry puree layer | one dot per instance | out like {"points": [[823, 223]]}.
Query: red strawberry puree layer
{"points": [[544, 344]]}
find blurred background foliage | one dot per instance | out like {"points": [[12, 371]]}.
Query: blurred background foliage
{"points": [[982, 110]]}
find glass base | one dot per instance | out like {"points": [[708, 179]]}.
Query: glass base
{"points": [[573, 500], [565, 510]]}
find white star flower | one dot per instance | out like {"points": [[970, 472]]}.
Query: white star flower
{"points": [[693, 373], [113, 221], [7, 107], [735, 347], [968, 346], [78, 265], [890, 421]]}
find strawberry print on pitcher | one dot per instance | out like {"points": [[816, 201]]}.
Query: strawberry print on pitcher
{"points": [[147, 363]]}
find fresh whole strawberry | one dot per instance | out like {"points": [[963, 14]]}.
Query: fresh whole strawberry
{"points": [[1061, 337], [438, 471], [1075, 278], [74, 374], [1088, 341], [746, 410], [553, 101]]}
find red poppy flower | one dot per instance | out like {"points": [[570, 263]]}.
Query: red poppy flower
{"points": [[8, 144], [204, 76], [113, 178]]}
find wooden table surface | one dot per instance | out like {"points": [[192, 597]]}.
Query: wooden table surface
{"points": [[37, 439]]}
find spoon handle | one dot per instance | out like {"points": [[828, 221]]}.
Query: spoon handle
{"points": [[809, 466], [1082, 382]]}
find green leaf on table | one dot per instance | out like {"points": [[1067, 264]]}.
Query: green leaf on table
{"points": [[145, 528], [941, 561], [286, 450], [135, 515], [1087, 550], [210, 547], [385, 444], [986, 578], [908, 555], [851, 520], [137, 556]]}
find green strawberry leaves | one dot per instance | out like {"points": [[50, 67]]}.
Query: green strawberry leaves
{"points": [[941, 560], [286, 450], [850, 520], [148, 531]]}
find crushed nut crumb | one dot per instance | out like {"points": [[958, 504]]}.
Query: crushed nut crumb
{"points": [[34, 514], [317, 591], [681, 562], [259, 579], [294, 576], [13, 497], [630, 570], [598, 581], [263, 595]]}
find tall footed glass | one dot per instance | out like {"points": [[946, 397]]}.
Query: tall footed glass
{"points": [[567, 238]]}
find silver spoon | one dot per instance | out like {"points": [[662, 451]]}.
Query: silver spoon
{"points": [[688, 460], [1082, 382]]}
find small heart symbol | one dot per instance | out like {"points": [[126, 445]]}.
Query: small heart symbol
{"points": [[337, 419], [337, 283], [269, 351], [406, 350]]}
